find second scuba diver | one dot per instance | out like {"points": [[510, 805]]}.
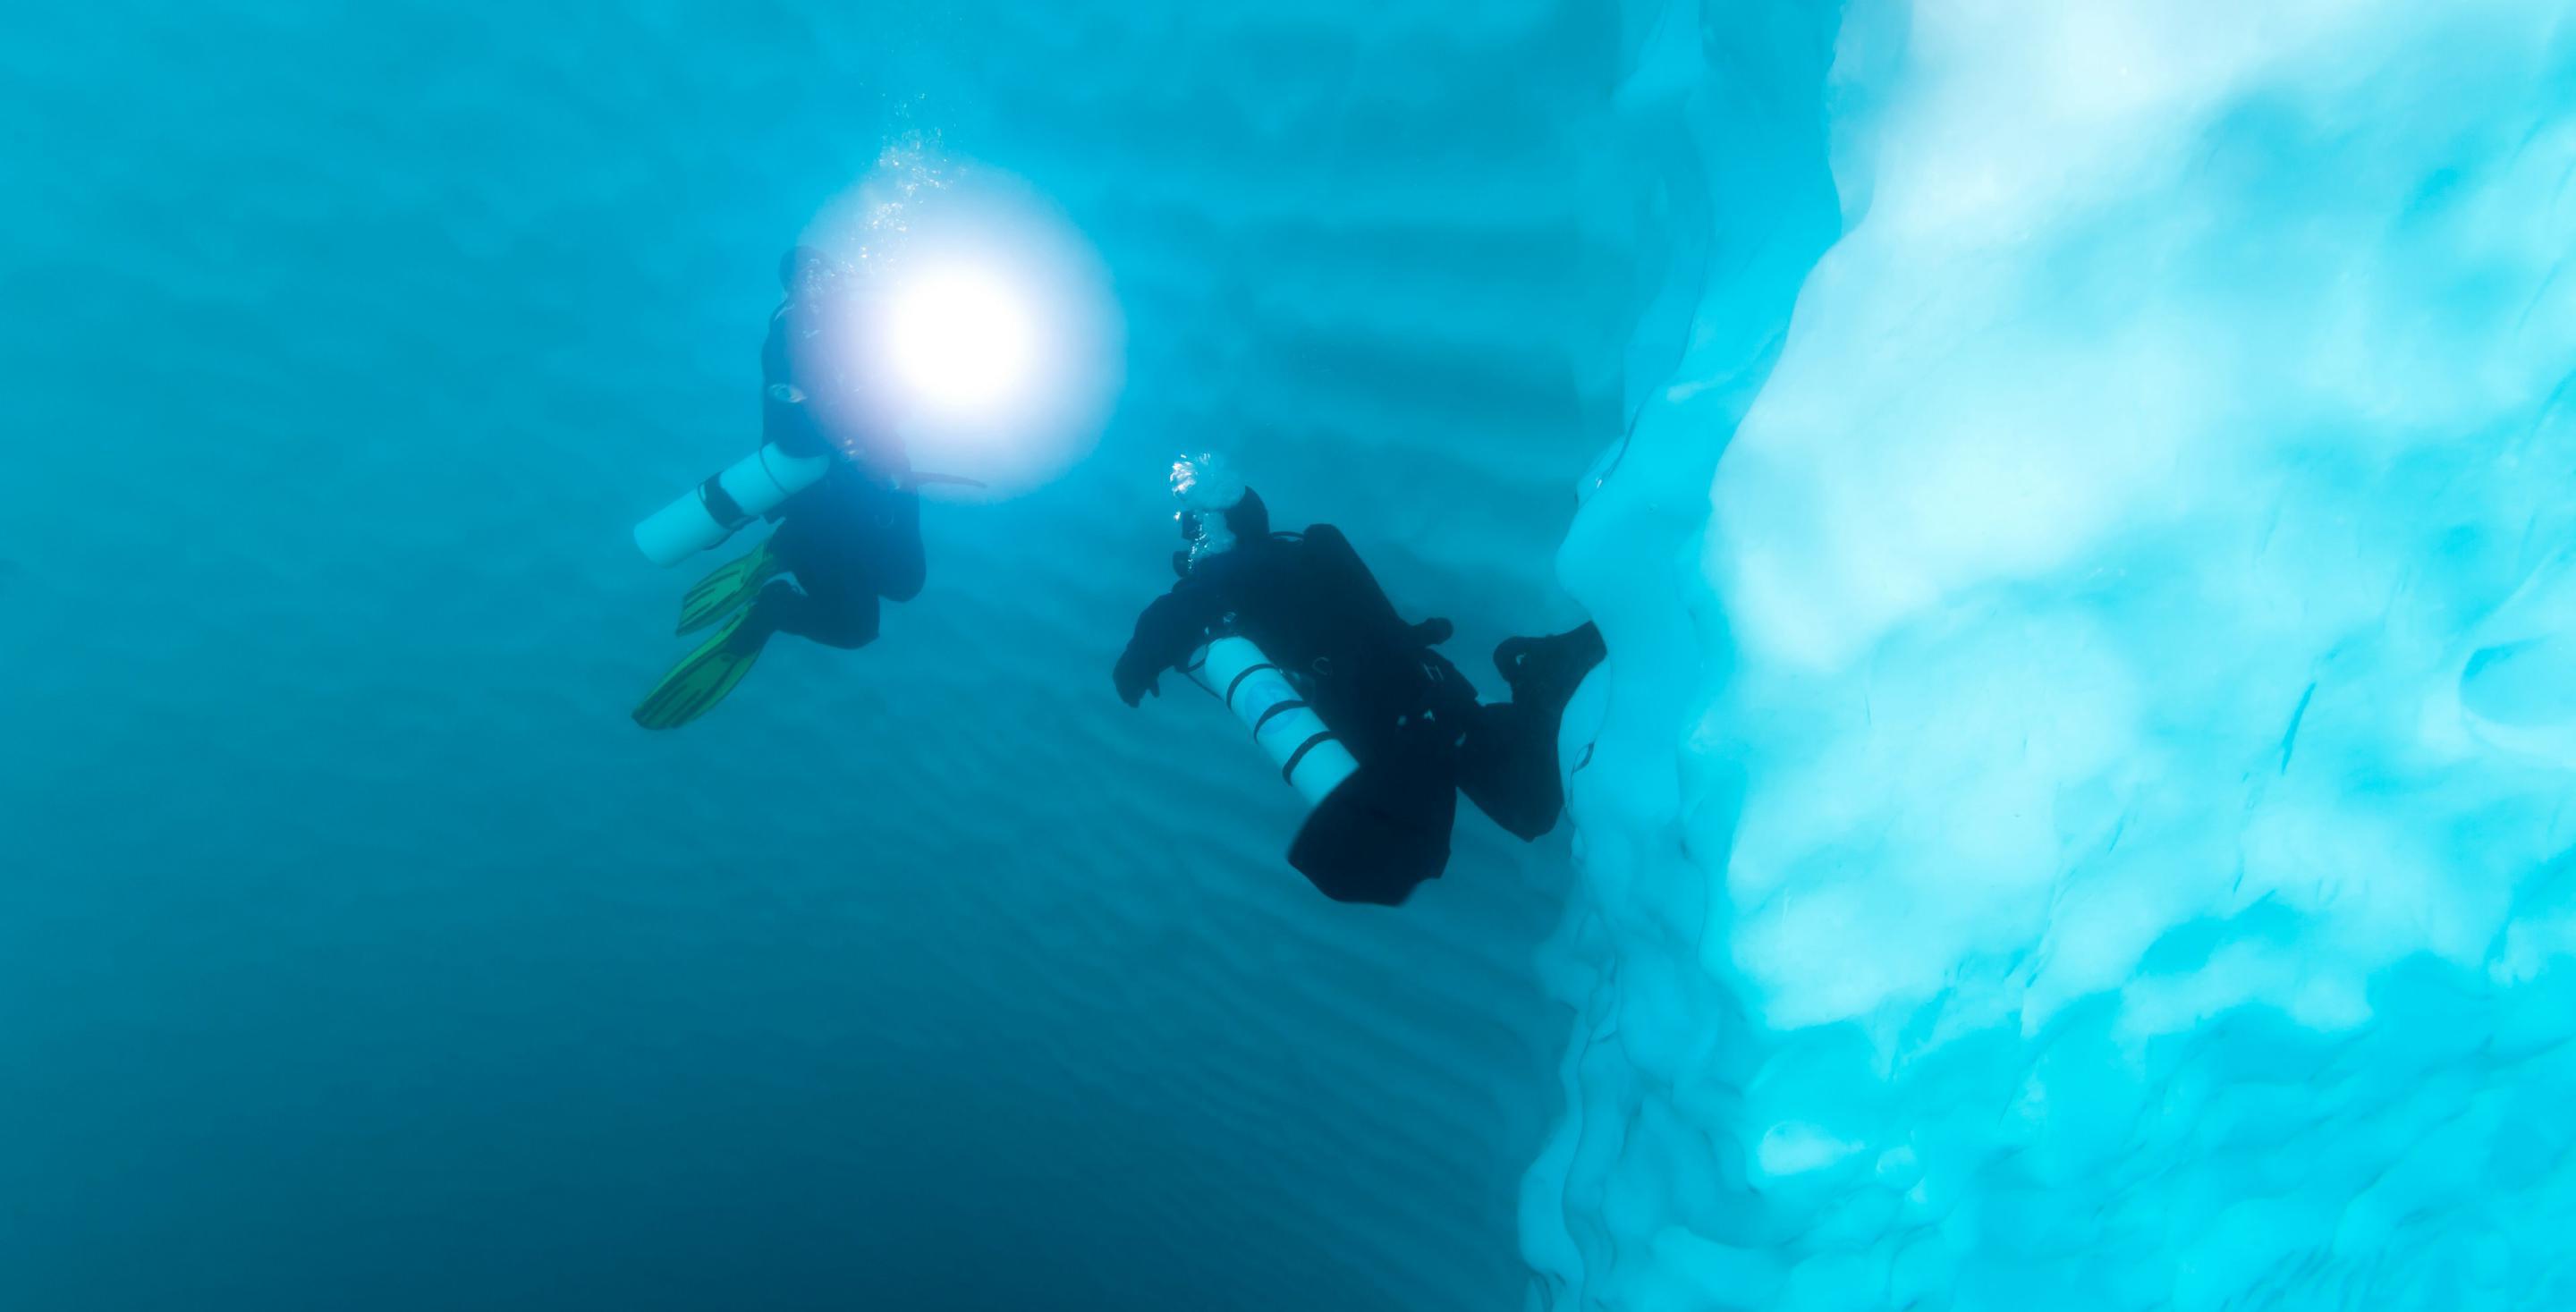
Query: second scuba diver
{"points": [[1408, 717], [852, 538]]}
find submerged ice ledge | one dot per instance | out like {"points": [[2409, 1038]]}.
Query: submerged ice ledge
{"points": [[2081, 813]]}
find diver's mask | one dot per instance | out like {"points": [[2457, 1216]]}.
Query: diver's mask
{"points": [[1207, 487]]}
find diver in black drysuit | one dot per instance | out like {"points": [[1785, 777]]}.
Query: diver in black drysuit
{"points": [[849, 540], [1407, 715], [855, 536]]}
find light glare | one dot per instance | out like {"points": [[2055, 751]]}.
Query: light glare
{"points": [[989, 345], [963, 341]]}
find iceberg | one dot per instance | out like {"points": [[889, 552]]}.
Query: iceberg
{"points": [[2080, 812]]}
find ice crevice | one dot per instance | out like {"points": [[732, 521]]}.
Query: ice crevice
{"points": [[2079, 813]]}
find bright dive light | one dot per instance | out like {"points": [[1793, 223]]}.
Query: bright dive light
{"points": [[990, 343], [963, 341]]}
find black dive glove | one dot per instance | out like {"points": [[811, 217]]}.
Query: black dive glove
{"points": [[1136, 676]]}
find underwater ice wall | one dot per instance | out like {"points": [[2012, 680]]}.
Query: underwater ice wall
{"points": [[2079, 812]]}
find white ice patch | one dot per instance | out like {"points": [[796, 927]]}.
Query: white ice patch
{"points": [[2175, 389]]}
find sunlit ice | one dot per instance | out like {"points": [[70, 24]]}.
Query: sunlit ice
{"points": [[984, 331]]}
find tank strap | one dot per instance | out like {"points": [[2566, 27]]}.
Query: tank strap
{"points": [[1289, 771], [1248, 672], [1275, 708], [721, 507]]}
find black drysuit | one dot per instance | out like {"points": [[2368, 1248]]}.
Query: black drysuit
{"points": [[849, 539], [1408, 716]]}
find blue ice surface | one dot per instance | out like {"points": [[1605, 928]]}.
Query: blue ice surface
{"points": [[356, 951], [2079, 814]]}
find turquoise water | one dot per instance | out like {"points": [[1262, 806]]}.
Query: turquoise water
{"points": [[2075, 815], [359, 952]]}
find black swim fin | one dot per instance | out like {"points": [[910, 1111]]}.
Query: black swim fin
{"points": [[1544, 672]]}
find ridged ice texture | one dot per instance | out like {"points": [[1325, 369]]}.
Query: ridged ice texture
{"points": [[2099, 837], [355, 950]]}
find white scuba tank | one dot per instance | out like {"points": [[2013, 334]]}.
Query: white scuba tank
{"points": [[710, 512], [1309, 756]]}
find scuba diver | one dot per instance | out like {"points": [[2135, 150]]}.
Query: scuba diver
{"points": [[1408, 718], [847, 541]]}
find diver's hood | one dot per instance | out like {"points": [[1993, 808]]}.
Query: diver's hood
{"points": [[803, 265]]}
